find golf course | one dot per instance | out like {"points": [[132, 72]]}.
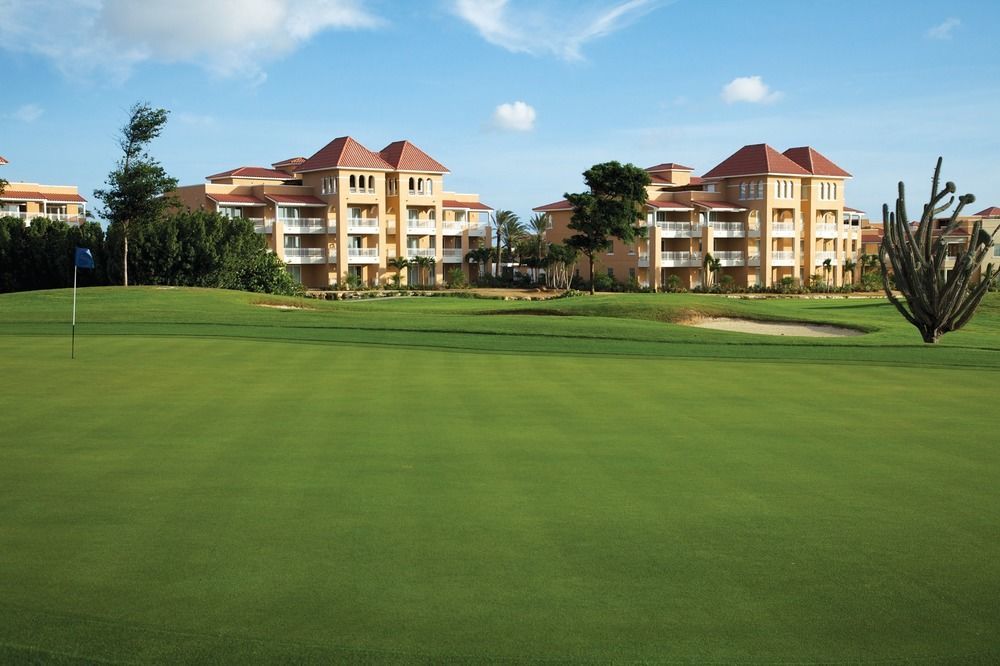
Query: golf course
{"points": [[225, 477]]}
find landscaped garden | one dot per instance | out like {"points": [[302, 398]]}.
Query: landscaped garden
{"points": [[458, 479]]}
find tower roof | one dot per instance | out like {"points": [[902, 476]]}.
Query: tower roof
{"points": [[754, 160], [404, 156], [344, 152], [992, 211], [815, 162]]}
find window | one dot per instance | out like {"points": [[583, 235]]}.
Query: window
{"points": [[631, 274], [460, 216], [834, 191], [293, 241], [611, 247], [330, 185], [661, 216], [228, 211], [760, 189], [412, 190], [996, 250], [743, 191], [777, 189], [432, 215], [430, 186], [611, 273], [420, 185], [355, 213], [411, 214], [286, 213], [354, 183], [295, 272], [371, 184]]}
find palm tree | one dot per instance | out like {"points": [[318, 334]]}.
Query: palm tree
{"points": [[398, 263], [538, 224], [481, 256], [849, 266], [509, 230], [827, 267], [712, 267], [424, 267]]}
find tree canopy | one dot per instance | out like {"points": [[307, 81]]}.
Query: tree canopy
{"points": [[613, 207]]}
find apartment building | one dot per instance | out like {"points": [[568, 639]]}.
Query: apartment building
{"points": [[765, 215], [347, 210], [27, 201]]}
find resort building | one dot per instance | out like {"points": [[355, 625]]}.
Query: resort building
{"points": [[764, 215], [28, 201], [349, 211]]}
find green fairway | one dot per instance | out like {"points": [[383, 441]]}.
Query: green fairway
{"points": [[443, 479]]}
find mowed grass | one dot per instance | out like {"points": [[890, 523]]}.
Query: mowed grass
{"points": [[454, 480]]}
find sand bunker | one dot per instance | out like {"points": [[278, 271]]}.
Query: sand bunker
{"points": [[774, 327], [276, 306]]}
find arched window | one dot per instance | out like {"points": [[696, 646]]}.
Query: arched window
{"points": [[743, 191], [354, 183], [420, 185], [791, 189], [777, 189], [834, 191], [432, 215], [371, 183], [430, 186]]}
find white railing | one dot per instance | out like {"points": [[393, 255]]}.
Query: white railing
{"points": [[413, 252], [643, 260], [477, 229], [55, 217], [303, 225], [820, 257], [360, 190], [452, 255], [679, 228], [362, 225], [680, 258], [421, 224], [729, 229], [305, 255], [753, 230], [450, 227], [753, 260], [782, 258], [729, 257], [782, 228], [421, 193], [826, 230], [362, 252]]}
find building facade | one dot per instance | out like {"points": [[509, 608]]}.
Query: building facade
{"points": [[764, 215], [28, 201], [349, 211]]}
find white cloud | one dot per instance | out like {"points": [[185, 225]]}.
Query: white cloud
{"points": [[945, 29], [514, 117], [227, 37], [530, 30], [749, 89], [27, 113]]}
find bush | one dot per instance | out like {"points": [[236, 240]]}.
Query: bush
{"points": [[456, 279], [605, 283]]}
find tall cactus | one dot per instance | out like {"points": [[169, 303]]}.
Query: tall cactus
{"points": [[934, 305]]}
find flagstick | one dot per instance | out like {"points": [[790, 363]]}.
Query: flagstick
{"points": [[72, 349]]}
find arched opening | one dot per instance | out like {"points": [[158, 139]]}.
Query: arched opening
{"points": [[371, 183], [430, 186], [420, 185], [354, 183], [777, 189], [743, 191], [412, 190]]}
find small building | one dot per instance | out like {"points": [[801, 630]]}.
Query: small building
{"points": [[29, 201]]}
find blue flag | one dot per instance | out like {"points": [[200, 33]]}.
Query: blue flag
{"points": [[84, 259]]}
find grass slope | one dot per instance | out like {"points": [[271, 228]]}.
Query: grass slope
{"points": [[443, 480]]}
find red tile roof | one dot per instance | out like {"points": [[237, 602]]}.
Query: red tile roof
{"points": [[815, 162], [871, 236], [2, 160], [291, 161], [29, 195], [558, 205], [848, 209], [668, 166], [697, 180], [464, 205], [344, 152], [236, 199], [718, 205], [992, 211], [668, 204], [756, 160], [257, 173], [404, 156], [295, 199]]}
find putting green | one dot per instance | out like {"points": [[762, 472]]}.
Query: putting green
{"points": [[414, 481]]}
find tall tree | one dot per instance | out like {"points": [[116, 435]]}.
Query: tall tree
{"points": [[612, 208], [136, 187], [538, 224], [397, 263], [509, 231]]}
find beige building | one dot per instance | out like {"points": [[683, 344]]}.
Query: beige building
{"points": [[349, 211], [764, 215], [27, 201]]}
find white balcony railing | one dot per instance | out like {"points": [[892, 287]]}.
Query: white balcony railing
{"points": [[303, 225], [783, 229], [262, 225], [363, 255], [414, 252], [679, 229], [55, 217], [753, 260], [362, 225], [680, 258], [643, 261], [421, 225], [453, 228], [728, 229], [826, 230], [820, 257], [305, 255], [452, 255], [783, 258], [730, 258], [476, 229]]}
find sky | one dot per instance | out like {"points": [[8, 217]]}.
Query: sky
{"points": [[516, 97]]}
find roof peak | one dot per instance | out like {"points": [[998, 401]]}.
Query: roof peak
{"points": [[344, 152], [755, 159], [404, 155]]}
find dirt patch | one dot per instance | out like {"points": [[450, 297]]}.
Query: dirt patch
{"points": [[282, 306], [791, 328]]}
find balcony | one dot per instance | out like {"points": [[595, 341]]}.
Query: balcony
{"points": [[261, 225], [679, 229], [730, 258], [452, 255], [303, 225], [331, 256], [820, 257], [477, 229], [55, 217], [782, 258], [673, 259], [754, 231], [783, 229], [453, 228], [362, 225], [360, 190], [420, 227], [753, 260], [362, 255], [414, 252], [826, 230], [728, 229], [305, 255], [643, 261]]}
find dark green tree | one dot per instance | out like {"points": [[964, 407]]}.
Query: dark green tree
{"points": [[397, 263], [613, 207], [136, 188], [934, 304]]}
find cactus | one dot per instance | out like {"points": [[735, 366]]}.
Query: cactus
{"points": [[934, 304]]}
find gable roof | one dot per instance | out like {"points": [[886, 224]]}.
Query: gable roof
{"points": [[668, 166], [258, 173], [464, 205], [558, 205], [344, 152], [753, 160], [291, 161], [404, 156], [31, 195], [235, 199], [295, 199], [815, 162], [992, 211]]}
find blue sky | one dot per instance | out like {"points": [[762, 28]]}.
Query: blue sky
{"points": [[516, 97]]}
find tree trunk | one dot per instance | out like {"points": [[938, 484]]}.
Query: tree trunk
{"points": [[591, 257], [125, 257]]}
